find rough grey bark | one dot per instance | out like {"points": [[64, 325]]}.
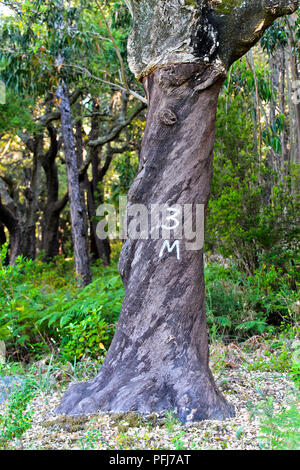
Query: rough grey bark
{"points": [[79, 235], [215, 32], [295, 78], [158, 359]]}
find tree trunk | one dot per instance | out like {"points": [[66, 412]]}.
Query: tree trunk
{"points": [[79, 154], [50, 235], [2, 235], [32, 193], [79, 232], [2, 242], [100, 249], [295, 104], [11, 222], [158, 359]]}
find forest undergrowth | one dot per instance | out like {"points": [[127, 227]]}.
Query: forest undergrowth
{"points": [[56, 333]]}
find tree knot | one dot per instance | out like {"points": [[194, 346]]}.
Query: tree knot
{"points": [[168, 117]]}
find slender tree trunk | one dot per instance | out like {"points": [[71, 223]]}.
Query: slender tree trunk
{"points": [[295, 112], [50, 233], [257, 119], [79, 233], [79, 153], [100, 249], [158, 359], [282, 107], [159, 356], [50, 221], [32, 198], [295, 77]]}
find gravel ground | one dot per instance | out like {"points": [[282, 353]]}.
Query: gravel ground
{"points": [[247, 390]]}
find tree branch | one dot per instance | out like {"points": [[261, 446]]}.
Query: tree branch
{"points": [[47, 118], [117, 129], [114, 85]]}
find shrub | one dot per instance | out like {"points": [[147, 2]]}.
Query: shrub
{"points": [[239, 306], [40, 301], [17, 419], [90, 337]]}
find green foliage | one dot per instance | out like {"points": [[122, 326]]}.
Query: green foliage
{"points": [[239, 306], [277, 36], [245, 226], [43, 311], [226, 6], [253, 211], [43, 32], [15, 115], [91, 337], [294, 373], [276, 361], [11, 368], [42, 308], [91, 439], [178, 443], [171, 421], [17, 419], [125, 168]]}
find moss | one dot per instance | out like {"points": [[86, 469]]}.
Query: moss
{"points": [[225, 6], [130, 420], [124, 421], [191, 3], [67, 423]]}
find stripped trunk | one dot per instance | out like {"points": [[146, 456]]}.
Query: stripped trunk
{"points": [[158, 359]]}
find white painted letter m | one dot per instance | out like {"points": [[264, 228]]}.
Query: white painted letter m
{"points": [[166, 244]]}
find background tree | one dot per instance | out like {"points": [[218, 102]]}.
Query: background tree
{"points": [[32, 45]]}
